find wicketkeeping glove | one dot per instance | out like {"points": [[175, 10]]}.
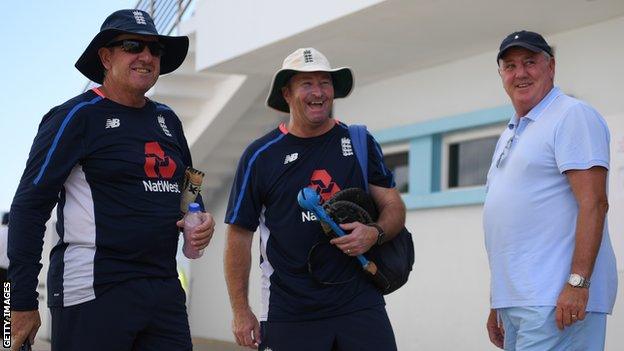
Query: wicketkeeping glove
{"points": [[350, 205]]}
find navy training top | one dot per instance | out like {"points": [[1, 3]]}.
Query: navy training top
{"points": [[271, 172], [116, 173]]}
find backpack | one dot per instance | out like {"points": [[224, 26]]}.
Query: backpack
{"points": [[394, 258]]}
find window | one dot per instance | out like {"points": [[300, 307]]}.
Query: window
{"points": [[396, 158], [469, 162], [467, 157], [443, 162]]}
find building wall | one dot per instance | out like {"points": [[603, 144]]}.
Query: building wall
{"points": [[448, 290], [209, 310], [445, 304], [247, 27]]}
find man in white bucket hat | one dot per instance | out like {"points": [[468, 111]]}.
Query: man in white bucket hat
{"points": [[333, 306], [307, 60]]}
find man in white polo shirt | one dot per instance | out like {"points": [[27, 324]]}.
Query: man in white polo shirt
{"points": [[553, 272]]}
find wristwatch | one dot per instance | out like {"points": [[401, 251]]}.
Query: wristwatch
{"points": [[380, 233], [578, 281]]}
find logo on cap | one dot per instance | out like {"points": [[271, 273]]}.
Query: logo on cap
{"points": [[138, 17], [307, 56], [517, 36]]}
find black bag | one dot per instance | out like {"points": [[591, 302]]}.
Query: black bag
{"points": [[394, 258]]}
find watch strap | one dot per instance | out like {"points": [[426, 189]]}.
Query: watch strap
{"points": [[380, 233]]}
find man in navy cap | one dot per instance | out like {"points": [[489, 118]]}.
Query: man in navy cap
{"points": [[112, 161], [553, 273]]}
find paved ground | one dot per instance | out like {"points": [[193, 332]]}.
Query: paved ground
{"points": [[199, 344], [215, 345], [39, 345]]}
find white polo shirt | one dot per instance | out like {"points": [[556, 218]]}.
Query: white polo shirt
{"points": [[530, 212]]}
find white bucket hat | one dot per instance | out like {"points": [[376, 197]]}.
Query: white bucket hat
{"points": [[307, 60]]}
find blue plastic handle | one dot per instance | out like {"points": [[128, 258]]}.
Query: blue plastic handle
{"points": [[309, 200]]}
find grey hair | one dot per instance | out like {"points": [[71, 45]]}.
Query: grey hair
{"points": [[547, 56]]}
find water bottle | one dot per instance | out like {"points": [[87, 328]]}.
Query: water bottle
{"points": [[191, 220]]}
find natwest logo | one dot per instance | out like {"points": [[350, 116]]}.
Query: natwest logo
{"points": [[157, 164], [161, 186], [160, 166], [322, 182]]}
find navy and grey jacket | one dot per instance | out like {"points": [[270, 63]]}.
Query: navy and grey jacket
{"points": [[115, 173]]}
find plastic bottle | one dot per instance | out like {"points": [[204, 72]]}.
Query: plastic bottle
{"points": [[191, 220]]}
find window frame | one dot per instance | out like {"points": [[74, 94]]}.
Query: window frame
{"points": [[425, 141], [397, 148], [455, 137]]}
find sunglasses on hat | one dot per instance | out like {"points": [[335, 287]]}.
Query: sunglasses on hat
{"points": [[135, 46]]}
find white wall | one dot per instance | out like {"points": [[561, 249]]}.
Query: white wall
{"points": [[209, 310], [445, 304], [441, 307], [208, 305], [236, 27]]}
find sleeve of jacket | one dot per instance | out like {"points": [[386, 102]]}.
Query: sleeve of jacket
{"points": [[245, 204], [57, 148]]}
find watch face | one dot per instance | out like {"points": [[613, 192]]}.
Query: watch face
{"points": [[575, 280], [380, 238]]}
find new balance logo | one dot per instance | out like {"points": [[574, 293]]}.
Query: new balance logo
{"points": [[138, 17], [347, 149], [291, 158], [112, 123]]}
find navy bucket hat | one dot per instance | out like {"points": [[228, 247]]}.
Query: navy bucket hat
{"points": [[130, 22]]}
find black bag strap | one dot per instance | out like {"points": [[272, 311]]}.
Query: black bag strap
{"points": [[357, 133]]}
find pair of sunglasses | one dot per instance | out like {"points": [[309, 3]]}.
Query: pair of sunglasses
{"points": [[135, 46]]}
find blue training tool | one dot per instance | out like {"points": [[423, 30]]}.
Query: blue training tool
{"points": [[309, 200]]}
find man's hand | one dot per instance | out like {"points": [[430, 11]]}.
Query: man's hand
{"points": [[246, 329], [359, 241], [571, 306], [236, 264], [203, 232], [496, 332], [24, 325]]}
